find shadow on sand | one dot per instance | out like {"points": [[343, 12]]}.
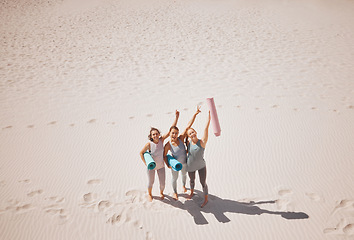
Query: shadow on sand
{"points": [[218, 207]]}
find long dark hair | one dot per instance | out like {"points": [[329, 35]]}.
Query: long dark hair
{"points": [[186, 140], [153, 129]]}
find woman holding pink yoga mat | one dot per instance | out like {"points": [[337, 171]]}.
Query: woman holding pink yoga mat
{"points": [[178, 151], [155, 147], [195, 159]]}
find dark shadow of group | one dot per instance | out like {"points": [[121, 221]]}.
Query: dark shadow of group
{"points": [[218, 207]]}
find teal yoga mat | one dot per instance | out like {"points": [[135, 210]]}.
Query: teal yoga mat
{"points": [[176, 166], [150, 163]]}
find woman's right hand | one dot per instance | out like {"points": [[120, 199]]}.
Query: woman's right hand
{"points": [[177, 113], [198, 110]]}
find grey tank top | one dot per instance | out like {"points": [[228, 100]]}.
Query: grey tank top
{"points": [[179, 152], [195, 160], [156, 151]]}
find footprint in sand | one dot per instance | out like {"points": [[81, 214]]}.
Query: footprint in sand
{"points": [[2, 183], [149, 115], [349, 229], [118, 213], [282, 204], [131, 117], [30, 126], [137, 224], [17, 207], [342, 228], [351, 107], [135, 196], [343, 218], [94, 181], [275, 106], [89, 197], [56, 199], [92, 121], [52, 123], [33, 193], [284, 192], [313, 196], [23, 208], [56, 209], [104, 205], [139, 198], [345, 205], [123, 216], [12, 205], [24, 181], [149, 236], [115, 219], [8, 127]]}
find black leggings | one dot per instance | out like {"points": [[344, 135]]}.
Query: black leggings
{"points": [[202, 178]]}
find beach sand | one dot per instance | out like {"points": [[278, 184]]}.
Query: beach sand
{"points": [[81, 83]]}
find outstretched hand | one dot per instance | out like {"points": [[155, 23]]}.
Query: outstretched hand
{"points": [[177, 113], [198, 110]]}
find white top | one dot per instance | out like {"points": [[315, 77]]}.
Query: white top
{"points": [[157, 154]]}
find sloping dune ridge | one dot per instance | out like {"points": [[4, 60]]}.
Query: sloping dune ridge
{"points": [[82, 82]]}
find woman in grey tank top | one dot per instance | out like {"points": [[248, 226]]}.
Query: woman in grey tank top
{"points": [[195, 159], [178, 151], [155, 147]]}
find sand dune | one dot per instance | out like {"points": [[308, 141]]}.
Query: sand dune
{"points": [[82, 82]]}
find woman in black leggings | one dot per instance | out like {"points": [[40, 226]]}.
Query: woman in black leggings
{"points": [[195, 159]]}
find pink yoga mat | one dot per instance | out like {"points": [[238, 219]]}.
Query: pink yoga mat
{"points": [[214, 117]]}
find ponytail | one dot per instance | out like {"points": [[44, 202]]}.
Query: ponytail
{"points": [[186, 140]]}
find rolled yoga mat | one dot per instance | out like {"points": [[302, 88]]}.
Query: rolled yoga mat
{"points": [[150, 163], [214, 117], [176, 166]]}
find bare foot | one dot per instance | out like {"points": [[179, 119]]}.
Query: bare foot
{"points": [[205, 201], [175, 196], [162, 196], [184, 189], [149, 198], [190, 196]]}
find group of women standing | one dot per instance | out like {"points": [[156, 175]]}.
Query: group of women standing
{"points": [[187, 148]]}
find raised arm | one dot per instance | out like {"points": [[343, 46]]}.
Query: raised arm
{"points": [[173, 124], [204, 140], [145, 148], [165, 151], [183, 135]]}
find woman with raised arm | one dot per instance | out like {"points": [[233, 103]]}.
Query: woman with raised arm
{"points": [[195, 159], [155, 147], [178, 151]]}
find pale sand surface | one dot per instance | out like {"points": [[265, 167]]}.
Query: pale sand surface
{"points": [[80, 87]]}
